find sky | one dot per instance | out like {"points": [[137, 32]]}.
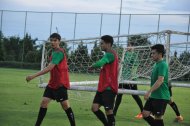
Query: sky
{"points": [[38, 25], [99, 6], [88, 25]]}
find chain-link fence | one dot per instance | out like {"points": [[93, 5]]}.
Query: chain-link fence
{"points": [[20, 29]]}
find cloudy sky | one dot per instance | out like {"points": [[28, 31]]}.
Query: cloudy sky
{"points": [[99, 6], [88, 25]]}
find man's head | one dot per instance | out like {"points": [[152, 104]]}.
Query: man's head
{"points": [[55, 39], [157, 52], [106, 42], [130, 45]]}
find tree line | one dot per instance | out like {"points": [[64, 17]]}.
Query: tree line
{"points": [[24, 52]]}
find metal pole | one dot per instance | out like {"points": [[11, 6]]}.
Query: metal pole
{"points": [[1, 21], [168, 53], [75, 25], [1, 32], [101, 24], [188, 32], [168, 47], [51, 23], [26, 13], [129, 27], [158, 27], [120, 20], [43, 61], [24, 36]]}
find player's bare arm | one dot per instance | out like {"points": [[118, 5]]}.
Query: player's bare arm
{"points": [[154, 87], [44, 71]]}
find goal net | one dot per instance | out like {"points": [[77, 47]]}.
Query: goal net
{"points": [[134, 56]]}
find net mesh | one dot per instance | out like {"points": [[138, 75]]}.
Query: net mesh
{"points": [[135, 64]]}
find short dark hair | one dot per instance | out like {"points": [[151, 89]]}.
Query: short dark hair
{"points": [[131, 43], [159, 48], [55, 35], [107, 39]]}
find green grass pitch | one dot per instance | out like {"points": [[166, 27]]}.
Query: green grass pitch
{"points": [[19, 103]]}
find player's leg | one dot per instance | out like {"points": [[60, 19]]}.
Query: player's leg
{"points": [[138, 101], [65, 105], [62, 97], [174, 107], [147, 112], [117, 103], [108, 97], [137, 98], [159, 107], [97, 102], [118, 100], [176, 110], [47, 96]]}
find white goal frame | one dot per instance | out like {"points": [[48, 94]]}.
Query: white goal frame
{"points": [[82, 86]]}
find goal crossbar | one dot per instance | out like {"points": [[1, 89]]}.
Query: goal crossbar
{"points": [[80, 83], [120, 91]]}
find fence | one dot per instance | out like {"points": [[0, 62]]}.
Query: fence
{"points": [[81, 25]]}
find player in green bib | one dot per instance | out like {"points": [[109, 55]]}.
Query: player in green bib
{"points": [[158, 96], [129, 72]]}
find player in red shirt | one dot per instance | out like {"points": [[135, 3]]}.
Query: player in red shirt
{"points": [[108, 82], [58, 83]]}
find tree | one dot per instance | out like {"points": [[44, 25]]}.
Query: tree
{"points": [[65, 46], [29, 44], [139, 40], [184, 58], [79, 59], [11, 48], [96, 53], [14, 51]]}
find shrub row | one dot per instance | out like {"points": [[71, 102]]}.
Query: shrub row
{"points": [[14, 64]]}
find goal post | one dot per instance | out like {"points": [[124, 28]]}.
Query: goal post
{"points": [[81, 53]]}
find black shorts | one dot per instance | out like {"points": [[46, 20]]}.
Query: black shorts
{"points": [[128, 86], [105, 98], [156, 106], [170, 90], [59, 94]]}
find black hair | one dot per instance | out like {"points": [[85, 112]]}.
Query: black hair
{"points": [[107, 39], [55, 35], [131, 43], [159, 48]]}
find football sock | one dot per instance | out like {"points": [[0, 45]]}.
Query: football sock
{"points": [[41, 115], [111, 120], [117, 103], [100, 115], [138, 101], [70, 116], [175, 108], [150, 120], [159, 122]]}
